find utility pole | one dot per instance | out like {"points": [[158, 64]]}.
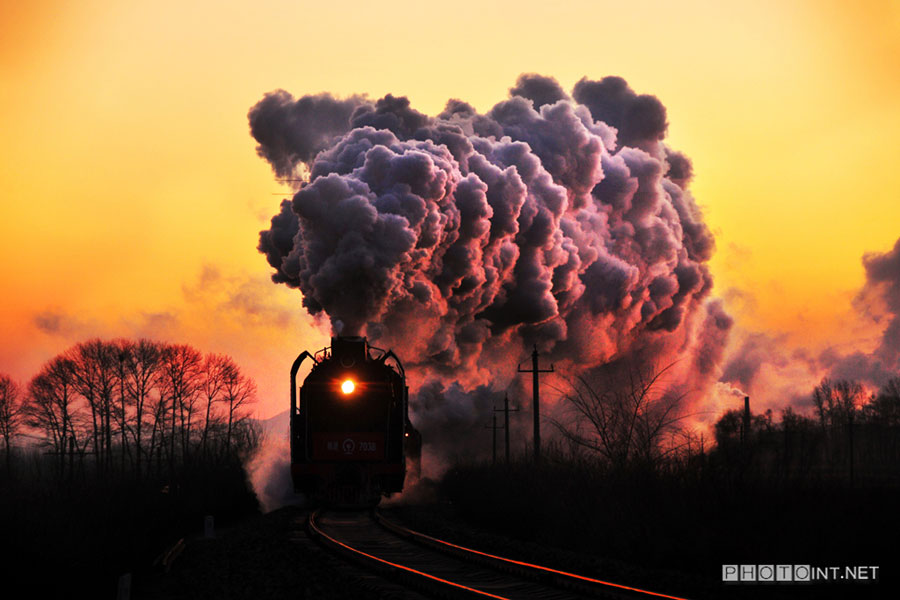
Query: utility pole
{"points": [[536, 403], [506, 410], [493, 427]]}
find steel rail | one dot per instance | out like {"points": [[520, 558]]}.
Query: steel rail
{"points": [[545, 578], [522, 566], [392, 567]]}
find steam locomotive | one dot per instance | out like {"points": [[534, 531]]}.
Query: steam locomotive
{"points": [[351, 435]]}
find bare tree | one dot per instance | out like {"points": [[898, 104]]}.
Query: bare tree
{"points": [[139, 379], [95, 370], [157, 408], [215, 367], [837, 402], [52, 405], [884, 409], [10, 412], [123, 350], [85, 382], [624, 411], [238, 391], [182, 379], [246, 434]]}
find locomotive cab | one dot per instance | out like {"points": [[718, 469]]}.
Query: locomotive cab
{"points": [[350, 429]]}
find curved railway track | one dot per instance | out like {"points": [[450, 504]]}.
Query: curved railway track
{"points": [[441, 569]]}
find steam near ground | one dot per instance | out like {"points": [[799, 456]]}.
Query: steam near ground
{"points": [[269, 470]]}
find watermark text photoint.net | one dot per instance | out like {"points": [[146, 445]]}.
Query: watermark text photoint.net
{"points": [[798, 574]]}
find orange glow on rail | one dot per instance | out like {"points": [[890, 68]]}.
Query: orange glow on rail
{"points": [[348, 386], [402, 567], [546, 569]]}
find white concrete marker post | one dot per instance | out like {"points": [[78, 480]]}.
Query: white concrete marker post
{"points": [[124, 587]]}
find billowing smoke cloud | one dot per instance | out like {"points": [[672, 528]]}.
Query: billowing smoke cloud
{"points": [[291, 131], [879, 299], [712, 340], [539, 89], [456, 414], [461, 239], [639, 119], [756, 350], [764, 366]]}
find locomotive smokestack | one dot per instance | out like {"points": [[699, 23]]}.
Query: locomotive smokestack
{"points": [[349, 350]]}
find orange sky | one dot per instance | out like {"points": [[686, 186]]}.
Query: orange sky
{"points": [[132, 196]]}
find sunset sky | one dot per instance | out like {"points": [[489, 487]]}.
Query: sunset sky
{"points": [[132, 196]]}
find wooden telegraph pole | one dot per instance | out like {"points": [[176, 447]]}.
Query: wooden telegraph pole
{"points": [[506, 410], [493, 427], [536, 404]]}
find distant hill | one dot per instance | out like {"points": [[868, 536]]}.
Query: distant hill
{"points": [[277, 426]]}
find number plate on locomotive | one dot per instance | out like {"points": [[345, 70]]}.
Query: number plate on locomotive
{"points": [[348, 446]]}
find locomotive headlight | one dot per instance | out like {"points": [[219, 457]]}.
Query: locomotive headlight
{"points": [[348, 386]]}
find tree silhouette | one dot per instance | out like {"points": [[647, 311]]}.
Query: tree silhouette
{"points": [[107, 398], [215, 368], [11, 413], [141, 366], [238, 391], [96, 379], [52, 405], [182, 367], [624, 411], [884, 409], [836, 402]]}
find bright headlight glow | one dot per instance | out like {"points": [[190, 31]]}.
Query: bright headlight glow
{"points": [[348, 386]]}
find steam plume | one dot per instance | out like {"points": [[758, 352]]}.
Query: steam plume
{"points": [[461, 239], [879, 298]]}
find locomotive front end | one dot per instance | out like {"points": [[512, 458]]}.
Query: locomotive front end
{"points": [[350, 431]]}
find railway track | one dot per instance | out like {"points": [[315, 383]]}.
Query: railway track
{"points": [[440, 569]]}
